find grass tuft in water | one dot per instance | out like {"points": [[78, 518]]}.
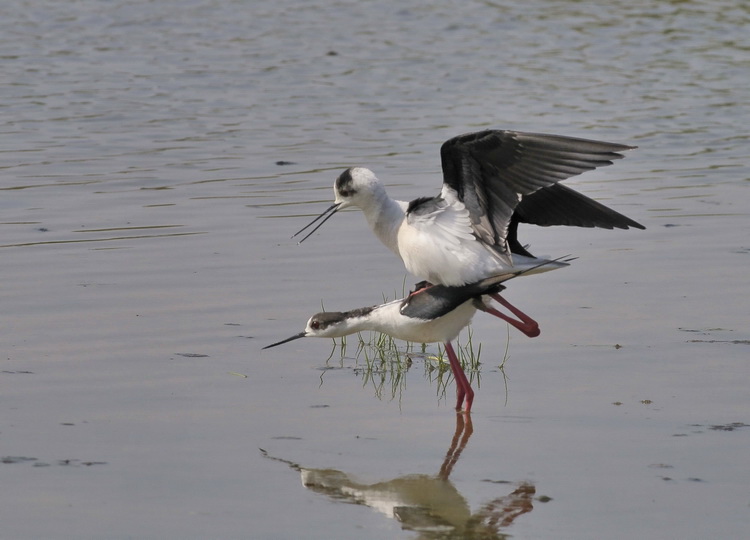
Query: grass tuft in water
{"points": [[382, 361], [386, 360]]}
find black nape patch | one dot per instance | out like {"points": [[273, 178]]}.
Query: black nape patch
{"points": [[359, 312], [327, 318], [323, 320], [345, 182]]}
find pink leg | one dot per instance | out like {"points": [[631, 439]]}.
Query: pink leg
{"points": [[464, 429], [463, 388], [526, 324]]}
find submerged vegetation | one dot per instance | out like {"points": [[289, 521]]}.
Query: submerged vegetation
{"points": [[382, 361]]}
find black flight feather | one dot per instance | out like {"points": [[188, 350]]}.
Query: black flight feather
{"points": [[507, 177]]}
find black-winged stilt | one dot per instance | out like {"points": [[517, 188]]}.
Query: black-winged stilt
{"points": [[430, 314], [492, 181]]}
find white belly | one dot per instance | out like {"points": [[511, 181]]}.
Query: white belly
{"points": [[442, 329]]}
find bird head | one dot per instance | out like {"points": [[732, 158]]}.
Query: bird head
{"points": [[355, 186], [330, 324]]}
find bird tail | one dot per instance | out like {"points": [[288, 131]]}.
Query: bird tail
{"points": [[495, 283]]}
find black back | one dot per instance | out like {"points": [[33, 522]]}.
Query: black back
{"points": [[435, 301]]}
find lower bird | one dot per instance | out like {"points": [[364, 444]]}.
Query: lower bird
{"points": [[435, 313]]}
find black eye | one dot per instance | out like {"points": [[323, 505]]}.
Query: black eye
{"points": [[346, 192], [315, 325]]}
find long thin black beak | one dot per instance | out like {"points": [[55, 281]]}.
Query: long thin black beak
{"points": [[297, 336], [325, 216]]}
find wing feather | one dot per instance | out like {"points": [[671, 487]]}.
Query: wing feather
{"points": [[496, 172], [560, 205], [447, 219]]}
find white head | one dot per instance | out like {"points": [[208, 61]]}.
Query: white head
{"points": [[356, 186], [332, 324]]}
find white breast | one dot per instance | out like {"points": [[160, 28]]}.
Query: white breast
{"points": [[388, 320]]}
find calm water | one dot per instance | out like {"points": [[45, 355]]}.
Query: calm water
{"points": [[146, 259]]}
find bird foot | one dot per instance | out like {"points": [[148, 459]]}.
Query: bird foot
{"points": [[420, 286], [524, 323]]}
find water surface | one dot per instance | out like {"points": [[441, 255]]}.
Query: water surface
{"points": [[158, 155]]}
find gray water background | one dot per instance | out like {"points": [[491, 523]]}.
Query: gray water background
{"points": [[145, 259]]}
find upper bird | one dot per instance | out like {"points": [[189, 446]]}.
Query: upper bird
{"points": [[492, 181]]}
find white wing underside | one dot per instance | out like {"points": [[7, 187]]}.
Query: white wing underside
{"points": [[448, 220], [437, 243]]}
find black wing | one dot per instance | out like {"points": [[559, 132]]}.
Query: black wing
{"points": [[560, 205], [493, 171], [434, 301], [437, 300]]}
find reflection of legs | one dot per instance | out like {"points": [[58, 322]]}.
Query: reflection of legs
{"points": [[463, 388], [464, 429], [526, 324]]}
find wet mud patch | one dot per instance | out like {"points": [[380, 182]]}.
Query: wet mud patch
{"points": [[728, 427], [732, 341], [710, 336], [17, 459], [701, 428], [666, 478], [9, 460]]}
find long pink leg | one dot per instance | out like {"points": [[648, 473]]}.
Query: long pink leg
{"points": [[464, 429], [463, 388], [526, 324]]}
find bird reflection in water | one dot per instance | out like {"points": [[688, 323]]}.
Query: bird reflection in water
{"points": [[430, 505]]}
